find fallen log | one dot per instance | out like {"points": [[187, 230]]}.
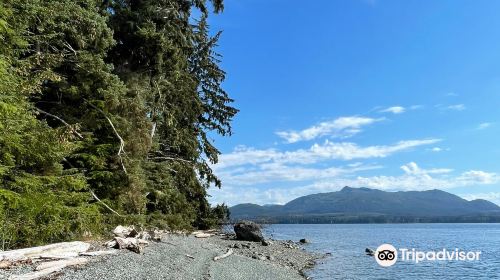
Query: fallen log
{"points": [[36, 274], [61, 255], [58, 250], [47, 268], [227, 254], [203, 235], [63, 263]]}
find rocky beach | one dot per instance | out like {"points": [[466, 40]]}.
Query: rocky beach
{"points": [[188, 256]]}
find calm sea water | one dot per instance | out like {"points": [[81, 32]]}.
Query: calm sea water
{"points": [[347, 243]]}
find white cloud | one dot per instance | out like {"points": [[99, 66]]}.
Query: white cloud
{"points": [[477, 176], [394, 110], [275, 172], [316, 153], [456, 107], [341, 127], [484, 125], [350, 151], [413, 169], [436, 149]]}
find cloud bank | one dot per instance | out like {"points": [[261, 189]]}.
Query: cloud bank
{"points": [[342, 127]]}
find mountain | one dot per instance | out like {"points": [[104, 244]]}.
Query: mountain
{"points": [[370, 205]]}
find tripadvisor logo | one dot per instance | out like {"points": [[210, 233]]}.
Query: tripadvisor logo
{"points": [[387, 255]]}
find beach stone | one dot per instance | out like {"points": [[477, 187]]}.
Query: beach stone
{"points": [[303, 241], [259, 257], [266, 243], [249, 231]]}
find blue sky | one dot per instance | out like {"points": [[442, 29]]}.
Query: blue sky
{"points": [[393, 95]]}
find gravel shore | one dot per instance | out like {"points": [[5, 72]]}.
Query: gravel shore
{"points": [[186, 257]]}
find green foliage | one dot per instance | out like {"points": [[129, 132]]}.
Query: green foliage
{"points": [[114, 98]]}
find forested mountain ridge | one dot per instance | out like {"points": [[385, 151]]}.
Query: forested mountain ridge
{"points": [[105, 108], [365, 202]]}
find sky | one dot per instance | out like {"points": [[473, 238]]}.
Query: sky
{"points": [[392, 95]]}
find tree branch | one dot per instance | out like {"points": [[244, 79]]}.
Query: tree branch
{"points": [[61, 120], [122, 143], [171, 158], [109, 208]]}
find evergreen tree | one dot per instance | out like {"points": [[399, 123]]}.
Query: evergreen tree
{"points": [[105, 109], [39, 201], [173, 62]]}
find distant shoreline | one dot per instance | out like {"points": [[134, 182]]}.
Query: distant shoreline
{"points": [[351, 219]]}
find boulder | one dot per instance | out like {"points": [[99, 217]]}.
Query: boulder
{"points": [[249, 231], [266, 243], [303, 241]]}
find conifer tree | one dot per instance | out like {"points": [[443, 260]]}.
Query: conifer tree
{"points": [[105, 111]]}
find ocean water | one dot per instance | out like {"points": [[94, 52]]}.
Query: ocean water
{"points": [[347, 244]]}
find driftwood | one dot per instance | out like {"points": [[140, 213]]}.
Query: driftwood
{"points": [[63, 263], [5, 264], [121, 231], [61, 255], [57, 250], [203, 235], [227, 254], [37, 274], [47, 268], [130, 243]]}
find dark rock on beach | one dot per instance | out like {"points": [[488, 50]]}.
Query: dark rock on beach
{"points": [[266, 242], [249, 231]]}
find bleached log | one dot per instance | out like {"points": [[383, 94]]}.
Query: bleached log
{"points": [[61, 255], [203, 235], [111, 244], [63, 263], [227, 254], [56, 249], [122, 231], [36, 274], [132, 244]]}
